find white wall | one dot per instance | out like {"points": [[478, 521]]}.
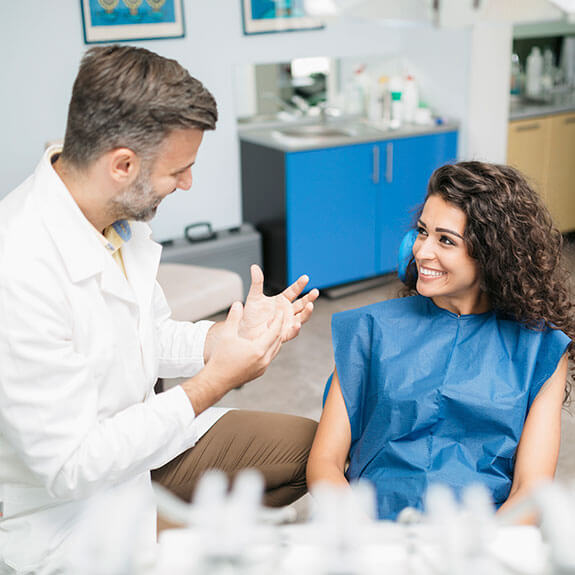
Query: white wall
{"points": [[488, 111], [440, 61], [467, 71], [41, 46]]}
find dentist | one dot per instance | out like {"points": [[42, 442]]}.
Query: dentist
{"points": [[86, 331]]}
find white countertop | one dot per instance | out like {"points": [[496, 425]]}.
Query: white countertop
{"points": [[560, 104], [272, 135]]}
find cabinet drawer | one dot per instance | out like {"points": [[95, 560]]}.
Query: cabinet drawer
{"points": [[560, 187], [527, 148]]}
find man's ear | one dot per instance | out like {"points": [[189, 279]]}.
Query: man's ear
{"points": [[124, 165]]}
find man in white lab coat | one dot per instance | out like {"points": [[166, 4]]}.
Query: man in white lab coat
{"points": [[85, 330]]}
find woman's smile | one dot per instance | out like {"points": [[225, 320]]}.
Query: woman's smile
{"points": [[429, 273]]}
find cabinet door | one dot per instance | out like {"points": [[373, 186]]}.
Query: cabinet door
{"points": [[560, 186], [406, 167], [527, 149], [330, 205]]}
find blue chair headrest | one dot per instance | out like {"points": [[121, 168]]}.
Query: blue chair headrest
{"points": [[405, 253]]}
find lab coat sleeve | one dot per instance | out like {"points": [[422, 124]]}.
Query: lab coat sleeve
{"points": [[181, 343], [48, 400]]}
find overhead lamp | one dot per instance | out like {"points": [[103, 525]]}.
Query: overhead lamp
{"points": [[443, 11], [401, 12], [568, 7]]}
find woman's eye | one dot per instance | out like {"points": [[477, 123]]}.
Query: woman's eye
{"points": [[446, 240], [421, 231]]}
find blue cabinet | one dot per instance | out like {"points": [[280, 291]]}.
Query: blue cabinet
{"points": [[338, 214], [331, 215]]}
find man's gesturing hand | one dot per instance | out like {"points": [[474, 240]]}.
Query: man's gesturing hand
{"points": [[234, 359], [261, 309]]}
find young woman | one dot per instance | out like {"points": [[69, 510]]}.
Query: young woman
{"points": [[463, 381]]}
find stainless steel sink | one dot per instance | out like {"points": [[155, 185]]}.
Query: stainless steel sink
{"points": [[316, 131]]}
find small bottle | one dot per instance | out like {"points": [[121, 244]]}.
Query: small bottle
{"points": [[410, 99], [534, 72], [385, 101], [374, 106], [515, 75], [355, 98], [377, 101], [547, 73], [395, 87]]}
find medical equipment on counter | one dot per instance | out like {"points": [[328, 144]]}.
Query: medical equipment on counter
{"points": [[112, 545], [227, 531]]}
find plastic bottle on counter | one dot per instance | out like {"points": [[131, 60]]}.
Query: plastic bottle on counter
{"points": [[395, 87], [374, 105], [385, 101], [356, 93], [423, 115], [547, 74], [534, 73], [515, 88], [410, 99], [379, 109]]}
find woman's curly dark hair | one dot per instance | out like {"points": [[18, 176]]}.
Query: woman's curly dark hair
{"points": [[511, 235]]}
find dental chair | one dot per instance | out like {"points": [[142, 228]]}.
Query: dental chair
{"points": [[405, 254]]}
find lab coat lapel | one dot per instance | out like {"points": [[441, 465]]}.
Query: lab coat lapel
{"points": [[114, 282], [76, 239], [141, 258]]}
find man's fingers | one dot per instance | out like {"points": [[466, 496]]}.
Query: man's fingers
{"points": [[274, 345], [257, 285], [301, 303], [235, 315], [305, 314], [312, 295], [292, 291], [274, 349], [274, 330]]}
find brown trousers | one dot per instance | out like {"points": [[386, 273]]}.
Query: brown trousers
{"points": [[276, 444]]}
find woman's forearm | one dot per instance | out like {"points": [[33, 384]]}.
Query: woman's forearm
{"points": [[515, 497], [322, 471]]}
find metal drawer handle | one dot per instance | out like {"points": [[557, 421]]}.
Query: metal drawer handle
{"points": [[375, 173], [528, 128], [389, 164], [570, 120]]}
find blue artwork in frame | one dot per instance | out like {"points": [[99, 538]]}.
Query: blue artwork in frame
{"points": [[263, 16], [123, 20]]}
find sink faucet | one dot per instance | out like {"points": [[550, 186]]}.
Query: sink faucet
{"points": [[326, 112], [291, 107]]}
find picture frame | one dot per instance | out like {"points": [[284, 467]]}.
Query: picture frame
{"points": [[268, 16], [128, 20]]}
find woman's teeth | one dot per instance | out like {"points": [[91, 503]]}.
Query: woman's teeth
{"points": [[430, 273]]}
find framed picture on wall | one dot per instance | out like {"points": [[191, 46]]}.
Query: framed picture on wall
{"points": [[264, 16], [123, 20]]}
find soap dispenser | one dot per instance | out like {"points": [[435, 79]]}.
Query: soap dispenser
{"points": [[534, 73]]}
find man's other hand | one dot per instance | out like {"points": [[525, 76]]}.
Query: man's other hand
{"points": [[260, 309], [234, 359]]}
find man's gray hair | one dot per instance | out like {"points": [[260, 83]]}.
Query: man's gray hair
{"points": [[130, 97]]}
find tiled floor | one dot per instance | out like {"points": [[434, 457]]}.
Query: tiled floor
{"points": [[294, 382]]}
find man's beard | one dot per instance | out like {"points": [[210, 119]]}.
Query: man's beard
{"points": [[137, 202]]}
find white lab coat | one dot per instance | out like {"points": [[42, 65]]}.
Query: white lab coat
{"points": [[80, 351]]}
